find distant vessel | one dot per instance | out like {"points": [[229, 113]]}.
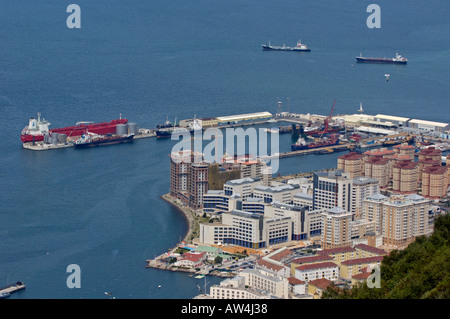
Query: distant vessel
{"points": [[399, 59], [90, 140], [36, 129], [168, 131], [4, 294], [167, 124], [301, 143], [300, 47], [164, 132]]}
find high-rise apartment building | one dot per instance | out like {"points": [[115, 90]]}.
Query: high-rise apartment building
{"points": [[336, 230], [336, 188], [399, 218], [405, 177], [434, 182], [352, 163], [188, 177]]}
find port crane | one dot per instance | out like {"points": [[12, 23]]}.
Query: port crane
{"points": [[328, 120]]}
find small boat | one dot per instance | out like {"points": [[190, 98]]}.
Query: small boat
{"points": [[4, 294], [300, 47]]}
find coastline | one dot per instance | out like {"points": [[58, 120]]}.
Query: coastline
{"points": [[186, 211]]}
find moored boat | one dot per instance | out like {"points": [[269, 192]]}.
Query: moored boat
{"points": [[37, 128], [301, 143], [90, 140]]}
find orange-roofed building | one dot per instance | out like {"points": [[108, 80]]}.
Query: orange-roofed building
{"points": [[318, 286]]}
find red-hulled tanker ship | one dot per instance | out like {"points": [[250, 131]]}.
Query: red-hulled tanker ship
{"points": [[36, 129]]}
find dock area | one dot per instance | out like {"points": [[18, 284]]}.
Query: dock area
{"points": [[6, 291], [42, 146], [145, 133]]}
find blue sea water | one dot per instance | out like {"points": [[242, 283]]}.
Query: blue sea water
{"points": [[101, 208]]}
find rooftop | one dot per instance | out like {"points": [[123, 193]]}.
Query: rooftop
{"points": [[337, 250], [316, 266], [294, 281], [276, 189], [241, 181], [435, 170], [365, 260], [243, 116], [361, 276], [439, 124], [351, 156], [391, 117], [311, 259], [268, 264], [321, 283], [336, 210], [371, 249], [377, 197], [364, 180]]}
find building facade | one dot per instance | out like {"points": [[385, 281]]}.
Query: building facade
{"points": [[336, 230]]}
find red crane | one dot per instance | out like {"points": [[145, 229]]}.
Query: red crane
{"points": [[327, 120]]}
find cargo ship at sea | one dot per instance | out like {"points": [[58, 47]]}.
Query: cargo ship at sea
{"points": [[91, 140], [301, 143], [399, 59], [37, 128], [300, 47]]}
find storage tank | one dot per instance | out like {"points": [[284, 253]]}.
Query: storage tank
{"points": [[133, 128], [122, 129], [54, 138], [62, 138]]}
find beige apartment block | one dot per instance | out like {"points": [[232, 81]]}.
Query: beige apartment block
{"points": [[435, 182], [405, 177], [352, 163], [336, 230], [404, 219]]}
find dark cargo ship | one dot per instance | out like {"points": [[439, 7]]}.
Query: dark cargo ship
{"points": [[399, 59], [301, 143], [300, 47], [89, 140]]}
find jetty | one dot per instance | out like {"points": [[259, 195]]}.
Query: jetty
{"points": [[5, 292]]}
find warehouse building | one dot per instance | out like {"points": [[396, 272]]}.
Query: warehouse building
{"points": [[244, 118], [429, 125], [396, 120]]}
